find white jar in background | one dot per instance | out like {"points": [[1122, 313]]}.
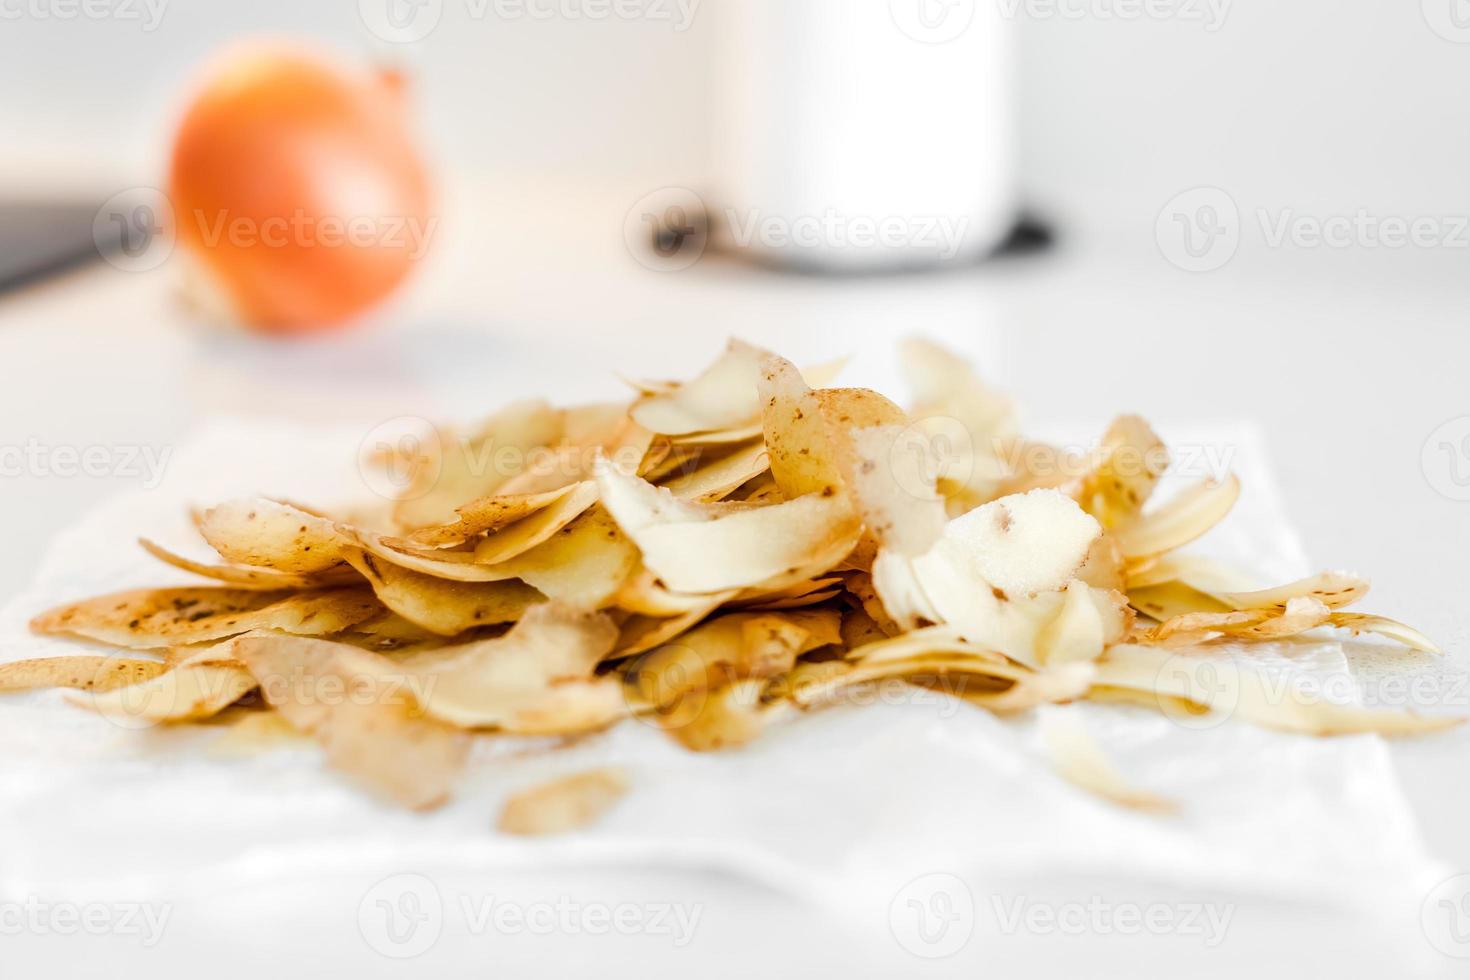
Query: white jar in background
{"points": [[854, 135]]}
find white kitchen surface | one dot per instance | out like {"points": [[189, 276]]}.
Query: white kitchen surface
{"points": [[1350, 361]]}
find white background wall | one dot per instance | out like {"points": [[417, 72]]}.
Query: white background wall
{"points": [[1322, 105]]}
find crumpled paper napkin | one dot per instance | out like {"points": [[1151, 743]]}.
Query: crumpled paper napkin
{"points": [[840, 806]]}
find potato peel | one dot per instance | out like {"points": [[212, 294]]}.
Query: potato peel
{"points": [[78, 673], [444, 607], [563, 805], [1180, 520], [149, 619], [379, 736], [721, 397], [187, 692], [486, 514], [476, 465], [718, 478], [542, 669], [728, 717], [1077, 758], [1186, 678], [713, 557], [732, 647], [757, 546], [245, 576], [1132, 459]]}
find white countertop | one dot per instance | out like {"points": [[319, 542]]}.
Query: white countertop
{"points": [[1349, 363]]}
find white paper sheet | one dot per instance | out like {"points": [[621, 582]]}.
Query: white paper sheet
{"points": [[841, 806]]}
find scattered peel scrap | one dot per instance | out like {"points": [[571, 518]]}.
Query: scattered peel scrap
{"points": [[714, 557], [564, 804], [1078, 759]]}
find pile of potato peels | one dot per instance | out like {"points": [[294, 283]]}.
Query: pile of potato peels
{"points": [[713, 557]]}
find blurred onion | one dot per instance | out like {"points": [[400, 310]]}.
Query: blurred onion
{"points": [[296, 185]]}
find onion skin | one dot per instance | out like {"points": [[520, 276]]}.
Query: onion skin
{"points": [[277, 158]]}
